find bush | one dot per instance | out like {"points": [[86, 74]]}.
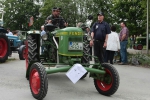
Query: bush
{"points": [[140, 59]]}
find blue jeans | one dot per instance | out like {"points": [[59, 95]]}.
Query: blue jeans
{"points": [[123, 51]]}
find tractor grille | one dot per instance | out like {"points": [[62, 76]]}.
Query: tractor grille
{"points": [[11, 42]]}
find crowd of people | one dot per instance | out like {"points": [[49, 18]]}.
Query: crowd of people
{"points": [[107, 43], [9, 32]]}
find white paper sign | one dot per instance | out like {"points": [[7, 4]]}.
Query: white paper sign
{"points": [[76, 72]]}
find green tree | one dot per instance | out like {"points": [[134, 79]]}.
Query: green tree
{"points": [[75, 11], [18, 12], [95, 6], [69, 10], [132, 12]]}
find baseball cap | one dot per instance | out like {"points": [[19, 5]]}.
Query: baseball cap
{"points": [[100, 13], [56, 8]]}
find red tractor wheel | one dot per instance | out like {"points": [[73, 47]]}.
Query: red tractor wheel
{"points": [[4, 47], [38, 81], [110, 82], [139, 46]]}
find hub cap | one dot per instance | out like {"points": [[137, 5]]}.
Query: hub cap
{"points": [[106, 84], [35, 81]]}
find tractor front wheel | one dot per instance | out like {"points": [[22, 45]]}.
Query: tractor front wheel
{"points": [[110, 82], [22, 52], [38, 81]]}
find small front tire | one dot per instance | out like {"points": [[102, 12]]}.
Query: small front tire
{"points": [[38, 81], [110, 82]]}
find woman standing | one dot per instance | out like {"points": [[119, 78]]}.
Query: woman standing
{"points": [[113, 44]]}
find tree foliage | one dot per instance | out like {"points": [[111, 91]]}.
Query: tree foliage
{"points": [[131, 12], [17, 12], [73, 11]]}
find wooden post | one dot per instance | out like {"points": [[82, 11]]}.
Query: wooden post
{"points": [[147, 30]]}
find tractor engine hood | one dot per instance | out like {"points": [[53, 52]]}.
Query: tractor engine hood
{"points": [[68, 31], [12, 37]]}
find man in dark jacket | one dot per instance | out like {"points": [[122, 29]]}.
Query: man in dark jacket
{"points": [[99, 33], [56, 19]]}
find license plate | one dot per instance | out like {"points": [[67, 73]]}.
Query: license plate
{"points": [[75, 46]]}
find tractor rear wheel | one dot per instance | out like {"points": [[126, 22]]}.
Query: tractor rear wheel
{"points": [[110, 82], [4, 47], [22, 52], [86, 57], [38, 81], [31, 54], [32, 49]]}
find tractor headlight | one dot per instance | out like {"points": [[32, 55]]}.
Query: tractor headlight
{"points": [[44, 37], [89, 38]]}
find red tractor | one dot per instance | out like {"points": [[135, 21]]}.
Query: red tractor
{"points": [[4, 45]]}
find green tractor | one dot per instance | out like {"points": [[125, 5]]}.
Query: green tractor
{"points": [[62, 49]]}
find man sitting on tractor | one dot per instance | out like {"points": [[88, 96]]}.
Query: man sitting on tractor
{"points": [[9, 32], [56, 19]]}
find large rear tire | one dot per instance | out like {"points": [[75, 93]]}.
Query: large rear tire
{"points": [[110, 82], [31, 54], [32, 49], [38, 81], [4, 47], [86, 57]]}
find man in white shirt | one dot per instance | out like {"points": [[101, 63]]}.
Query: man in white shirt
{"points": [[113, 44], [42, 30], [9, 32]]}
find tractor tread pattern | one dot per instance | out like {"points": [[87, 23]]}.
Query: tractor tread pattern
{"points": [[85, 58], [86, 51], [32, 46]]}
